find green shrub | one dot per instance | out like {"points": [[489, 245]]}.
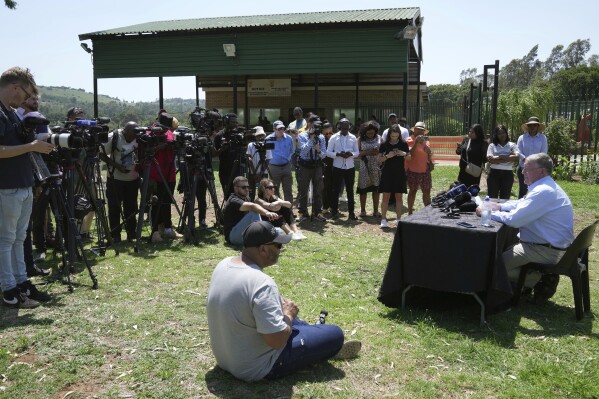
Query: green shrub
{"points": [[559, 137], [589, 171], [563, 170]]}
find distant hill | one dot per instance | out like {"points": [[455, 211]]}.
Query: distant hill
{"points": [[56, 101]]}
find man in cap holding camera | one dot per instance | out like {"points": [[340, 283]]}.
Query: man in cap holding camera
{"points": [[532, 141], [258, 157], [16, 195], [255, 332], [122, 183], [280, 164], [312, 151]]}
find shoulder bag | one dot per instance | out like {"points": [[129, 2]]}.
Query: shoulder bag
{"points": [[472, 169]]}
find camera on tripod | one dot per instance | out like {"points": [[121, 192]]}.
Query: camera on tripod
{"points": [[81, 133], [204, 121], [151, 136], [191, 143]]}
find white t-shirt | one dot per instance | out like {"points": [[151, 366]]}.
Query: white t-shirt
{"points": [[503, 150], [124, 154], [243, 304]]}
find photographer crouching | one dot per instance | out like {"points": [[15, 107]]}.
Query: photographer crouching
{"points": [[16, 195], [122, 183]]}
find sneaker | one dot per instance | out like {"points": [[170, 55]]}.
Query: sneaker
{"points": [[349, 350], [298, 236], [352, 216], [37, 271], [40, 257], [545, 289], [30, 291], [170, 233], [384, 223], [13, 299], [320, 218], [334, 215], [301, 218], [156, 237]]}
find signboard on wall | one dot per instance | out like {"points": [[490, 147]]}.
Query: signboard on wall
{"points": [[269, 87]]}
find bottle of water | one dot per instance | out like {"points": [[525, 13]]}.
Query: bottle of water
{"points": [[485, 218]]}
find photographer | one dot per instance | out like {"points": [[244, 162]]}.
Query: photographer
{"points": [[227, 152], [122, 183], [164, 158], [280, 164], [16, 196], [258, 157], [312, 151]]}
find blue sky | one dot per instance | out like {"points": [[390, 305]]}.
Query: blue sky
{"points": [[457, 34]]}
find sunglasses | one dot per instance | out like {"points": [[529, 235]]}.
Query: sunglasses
{"points": [[280, 128], [276, 244]]}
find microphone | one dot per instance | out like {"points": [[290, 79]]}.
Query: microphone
{"points": [[469, 206], [459, 199], [454, 192], [474, 190]]}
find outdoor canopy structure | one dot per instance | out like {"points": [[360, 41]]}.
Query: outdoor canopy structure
{"points": [[357, 48]]}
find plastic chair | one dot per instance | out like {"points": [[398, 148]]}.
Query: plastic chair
{"points": [[574, 264]]}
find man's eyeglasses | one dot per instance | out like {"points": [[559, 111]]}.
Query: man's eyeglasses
{"points": [[270, 187], [276, 244], [26, 93], [280, 128]]}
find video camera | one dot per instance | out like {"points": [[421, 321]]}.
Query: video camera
{"points": [[81, 133], [150, 136], [191, 143], [204, 121]]}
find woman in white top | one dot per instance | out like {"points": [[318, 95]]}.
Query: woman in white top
{"points": [[501, 154]]}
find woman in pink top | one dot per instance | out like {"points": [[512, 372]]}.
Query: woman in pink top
{"points": [[418, 167]]}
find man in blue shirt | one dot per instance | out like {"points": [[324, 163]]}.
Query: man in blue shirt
{"points": [[529, 143], [16, 195], [545, 218], [280, 163]]}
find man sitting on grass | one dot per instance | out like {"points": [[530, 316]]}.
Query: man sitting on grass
{"points": [[255, 332]]}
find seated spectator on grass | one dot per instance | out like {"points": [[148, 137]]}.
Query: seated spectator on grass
{"points": [[254, 331], [268, 200], [239, 212]]}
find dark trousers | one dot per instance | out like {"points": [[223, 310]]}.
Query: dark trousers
{"points": [[499, 183], [523, 188], [162, 213], [41, 219], [340, 176], [327, 189], [122, 193], [308, 175]]}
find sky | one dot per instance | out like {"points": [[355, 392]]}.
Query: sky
{"points": [[456, 34]]}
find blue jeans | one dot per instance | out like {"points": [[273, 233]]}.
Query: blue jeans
{"points": [[308, 344], [236, 234], [15, 210]]}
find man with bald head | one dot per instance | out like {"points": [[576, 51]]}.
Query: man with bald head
{"points": [[122, 184]]}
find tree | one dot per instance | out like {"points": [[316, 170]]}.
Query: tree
{"points": [[581, 81], [521, 73], [555, 61], [593, 60], [446, 92], [10, 4], [515, 106], [575, 53]]}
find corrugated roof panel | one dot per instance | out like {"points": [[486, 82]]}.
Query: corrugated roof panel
{"points": [[261, 21]]}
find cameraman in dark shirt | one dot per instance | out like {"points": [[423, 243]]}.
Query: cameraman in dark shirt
{"points": [[228, 151], [16, 195]]}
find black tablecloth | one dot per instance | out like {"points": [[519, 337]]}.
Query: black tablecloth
{"points": [[434, 252]]}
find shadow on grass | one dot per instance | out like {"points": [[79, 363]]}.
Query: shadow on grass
{"points": [[460, 314], [223, 385]]}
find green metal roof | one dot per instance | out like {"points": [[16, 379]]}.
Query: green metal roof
{"points": [[262, 21]]}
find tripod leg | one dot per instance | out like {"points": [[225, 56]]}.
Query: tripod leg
{"points": [[58, 219], [170, 194], [142, 206]]}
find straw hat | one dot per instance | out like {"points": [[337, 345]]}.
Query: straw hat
{"points": [[533, 120], [419, 125]]}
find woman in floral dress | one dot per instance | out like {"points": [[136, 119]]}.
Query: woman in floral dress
{"points": [[370, 173]]}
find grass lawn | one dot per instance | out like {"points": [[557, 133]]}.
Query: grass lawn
{"points": [[144, 334]]}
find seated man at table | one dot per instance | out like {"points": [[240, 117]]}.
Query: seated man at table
{"points": [[545, 218], [239, 212], [255, 332]]}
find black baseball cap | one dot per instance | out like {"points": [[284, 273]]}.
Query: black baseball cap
{"points": [[260, 233]]}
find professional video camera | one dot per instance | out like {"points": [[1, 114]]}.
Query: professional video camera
{"points": [[240, 137], [190, 143], [150, 136], [263, 145], [81, 133], [204, 121]]}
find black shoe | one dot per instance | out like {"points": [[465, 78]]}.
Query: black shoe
{"points": [[334, 215], [352, 216], [30, 291], [116, 239], [545, 289], [14, 299], [203, 224], [319, 218]]}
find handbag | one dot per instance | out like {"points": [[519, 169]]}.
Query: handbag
{"points": [[472, 169]]}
